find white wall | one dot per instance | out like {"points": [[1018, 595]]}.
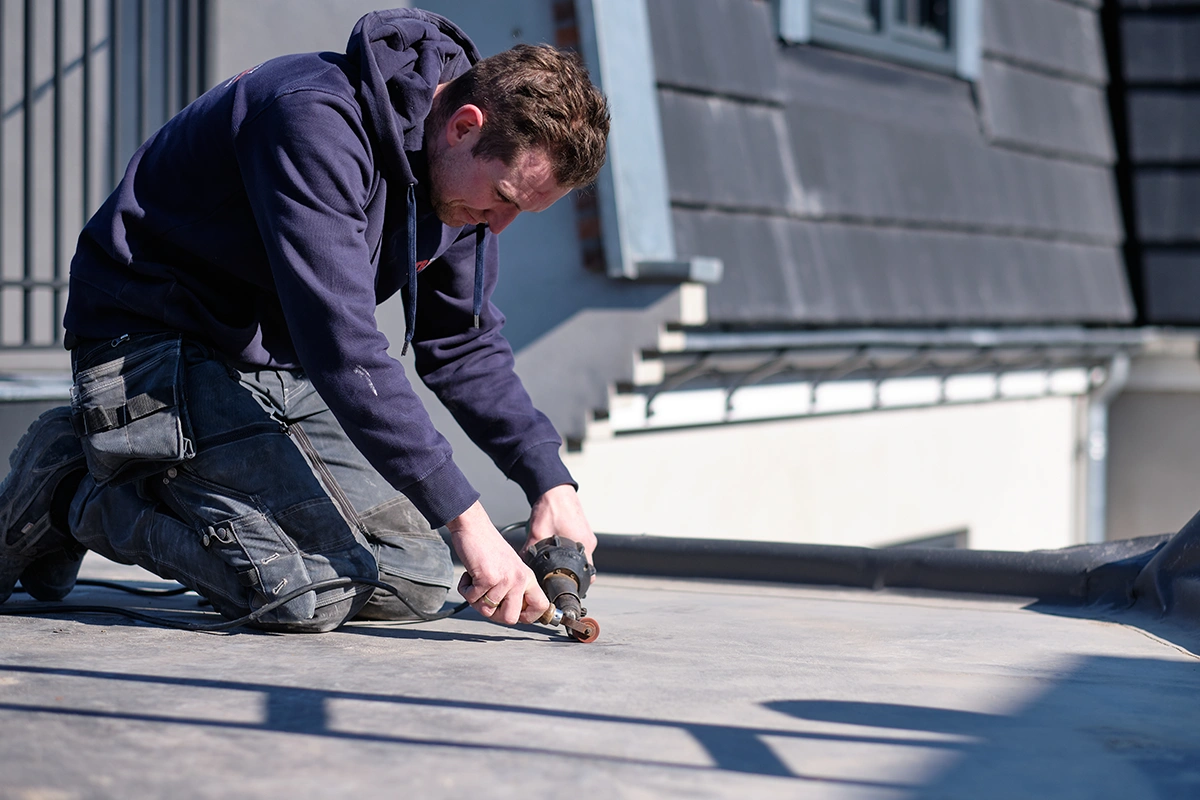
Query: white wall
{"points": [[1005, 471], [1154, 446], [244, 34]]}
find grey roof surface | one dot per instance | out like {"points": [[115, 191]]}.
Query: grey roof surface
{"points": [[845, 190], [695, 689]]}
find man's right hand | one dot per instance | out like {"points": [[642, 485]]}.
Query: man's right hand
{"points": [[497, 583]]}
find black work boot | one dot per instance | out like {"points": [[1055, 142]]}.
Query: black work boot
{"points": [[35, 546]]}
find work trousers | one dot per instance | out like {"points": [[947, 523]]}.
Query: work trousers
{"points": [[240, 485]]}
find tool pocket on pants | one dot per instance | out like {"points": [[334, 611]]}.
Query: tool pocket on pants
{"points": [[128, 408], [267, 564]]}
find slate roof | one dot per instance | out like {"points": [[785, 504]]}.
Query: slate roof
{"points": [[1160, 85], [843, 190]]}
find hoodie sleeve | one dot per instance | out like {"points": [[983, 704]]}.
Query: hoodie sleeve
{"points": [[307, 168], [471, 370]]}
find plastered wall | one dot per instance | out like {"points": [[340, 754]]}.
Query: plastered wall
{"points": [[1005, 472]]}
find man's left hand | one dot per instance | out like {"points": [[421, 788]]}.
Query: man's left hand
{"points": [[559, 512]]}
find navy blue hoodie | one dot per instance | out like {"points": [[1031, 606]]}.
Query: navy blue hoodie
{"points": [[271, 216]]}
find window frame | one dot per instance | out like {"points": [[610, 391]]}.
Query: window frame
{"points": [[870, 27]]}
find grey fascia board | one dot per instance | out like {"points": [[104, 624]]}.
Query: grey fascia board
{"points": [[795, 20], [696, 270], [635, 211], [714, 341], [968, 38]]}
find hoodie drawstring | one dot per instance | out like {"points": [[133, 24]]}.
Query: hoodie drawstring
{"points": [[410, 322], [477, 307]]}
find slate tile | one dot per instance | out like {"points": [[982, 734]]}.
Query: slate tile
{"points": [[1168, 205], [1052, 34], [1045, 113], [795, 272], [726, 153], [1161, 48], [1171, 281], [851, 165], [760, 281], [896, 95], [1142, 5], [1163, 124], [719, 46]]}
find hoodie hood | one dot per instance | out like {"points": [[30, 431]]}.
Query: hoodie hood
{"points": [[402, 55]]}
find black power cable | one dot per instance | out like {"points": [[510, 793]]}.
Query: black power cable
{"points": [[124, 587], [36, 609]]}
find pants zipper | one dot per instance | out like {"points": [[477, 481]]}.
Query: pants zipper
{"points": [[325, 476]]}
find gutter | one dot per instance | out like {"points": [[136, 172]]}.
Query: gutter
{"points": [[1097, 448]]}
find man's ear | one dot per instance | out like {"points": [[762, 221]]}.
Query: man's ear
{"points": [[464, 124]]}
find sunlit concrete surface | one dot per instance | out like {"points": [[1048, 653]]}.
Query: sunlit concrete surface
{"points": [[693, 690]]}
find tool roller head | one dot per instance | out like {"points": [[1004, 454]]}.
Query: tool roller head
{"points": [[564, 574], [587, 630]]}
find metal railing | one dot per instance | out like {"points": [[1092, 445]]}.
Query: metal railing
{"points": [[82, 84]]}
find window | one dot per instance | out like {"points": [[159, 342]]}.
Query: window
{"points": [[937, 34]]}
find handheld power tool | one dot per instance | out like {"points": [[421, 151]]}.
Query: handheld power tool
{"points": [[564, 574]]}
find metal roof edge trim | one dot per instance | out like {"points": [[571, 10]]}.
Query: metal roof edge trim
{"points": [[975, 337]]}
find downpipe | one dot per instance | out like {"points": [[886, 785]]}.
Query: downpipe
{"points": [[1096, 443]]}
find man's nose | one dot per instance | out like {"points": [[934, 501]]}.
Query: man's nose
{"points": [[499, 219]]}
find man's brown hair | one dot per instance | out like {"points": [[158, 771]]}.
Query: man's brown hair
{"points": [[535, 96]]}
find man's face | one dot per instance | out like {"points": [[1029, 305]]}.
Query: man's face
{"points": [[466, 189]]}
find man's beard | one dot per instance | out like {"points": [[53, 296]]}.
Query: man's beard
{"points": [[437, 175]]}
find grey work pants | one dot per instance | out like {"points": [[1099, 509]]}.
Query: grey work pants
{"points": [[241, 486]]}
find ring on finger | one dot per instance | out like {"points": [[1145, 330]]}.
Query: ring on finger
{"points": [[489, 602]]}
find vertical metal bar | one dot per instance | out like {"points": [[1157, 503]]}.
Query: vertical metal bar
{"points": [[143, 71], [186, 52], [3, 109], [27, 182], [114, 90], [200, 77], [57, 187], [170, 69], [85, 114]]}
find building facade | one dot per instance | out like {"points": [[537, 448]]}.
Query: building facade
{"points": [[888, 272]]}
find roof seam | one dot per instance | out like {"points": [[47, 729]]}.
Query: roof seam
{"points": [[1044, 70], [895, 223], [1013, 145], [718, 95]]}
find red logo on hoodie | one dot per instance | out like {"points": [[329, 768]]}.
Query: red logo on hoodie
{"points": [[240, 75]]}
